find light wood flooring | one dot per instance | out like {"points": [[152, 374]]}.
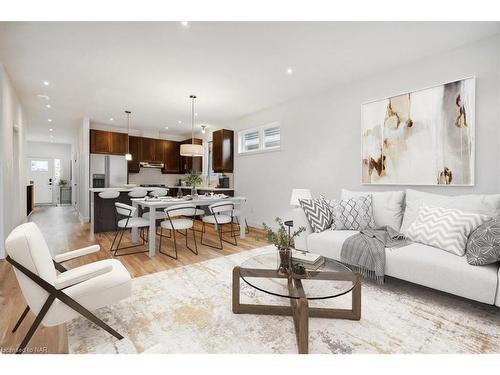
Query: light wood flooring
{"points": [[63, 232]]}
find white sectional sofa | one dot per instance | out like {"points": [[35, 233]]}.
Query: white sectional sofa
{"points": [[417, 263]]}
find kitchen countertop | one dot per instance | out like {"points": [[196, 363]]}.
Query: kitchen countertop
{"points": [[124, 189], [200, 188]]}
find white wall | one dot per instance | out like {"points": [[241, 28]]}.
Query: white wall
{"points": [[81, 178], [321, 133], [12, 171]]}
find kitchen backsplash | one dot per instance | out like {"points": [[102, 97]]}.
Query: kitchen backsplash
{"points": [[154, 176]]}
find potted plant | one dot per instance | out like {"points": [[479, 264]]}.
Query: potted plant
{"points": [[283, 240], [63, 183], [193, 179]]}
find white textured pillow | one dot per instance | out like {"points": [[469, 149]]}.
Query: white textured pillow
{"points": [[444, 228], [486, 204], [387, 206]]}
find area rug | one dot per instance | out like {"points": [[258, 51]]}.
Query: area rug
{"points": [[188, 310]]}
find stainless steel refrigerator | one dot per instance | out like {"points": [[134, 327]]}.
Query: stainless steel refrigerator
{"points": [[113, 167]]}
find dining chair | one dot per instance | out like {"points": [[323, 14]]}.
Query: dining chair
{"points": [[178, 218], [221, 213], [59, 298], [125, 219], [159, 215]]}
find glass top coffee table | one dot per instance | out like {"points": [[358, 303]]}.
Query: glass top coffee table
{"points": [[330, 280]]}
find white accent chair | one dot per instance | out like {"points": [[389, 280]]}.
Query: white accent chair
{"points": [[178, 219], [221, 213], [125, 220], [59, 298]]}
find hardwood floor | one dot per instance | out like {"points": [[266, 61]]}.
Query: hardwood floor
{"points": [[63, 232]]}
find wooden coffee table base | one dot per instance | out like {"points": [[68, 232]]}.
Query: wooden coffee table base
{"points": [[299, 307]]}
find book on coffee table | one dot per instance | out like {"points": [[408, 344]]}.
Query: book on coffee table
{"points": [[307, 260]]}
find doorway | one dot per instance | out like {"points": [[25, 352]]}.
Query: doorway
{"points": [[41, 172]]}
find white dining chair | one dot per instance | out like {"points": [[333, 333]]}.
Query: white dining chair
{"points": [[125, 220], [159, 215], [59, 298], [221, 213], [178, 218]]}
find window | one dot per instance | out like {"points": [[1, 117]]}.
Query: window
{"points": [[39, 165], [264, 138]]}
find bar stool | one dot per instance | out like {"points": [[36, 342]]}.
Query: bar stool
{"points": [[173, 223], [125, 220], [221, 213], [138, 193], [111, 195]]}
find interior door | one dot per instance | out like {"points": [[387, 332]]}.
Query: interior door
{"points": [[41, 171]]}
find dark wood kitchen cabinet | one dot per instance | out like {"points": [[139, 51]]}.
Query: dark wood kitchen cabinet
{"points": [[104, 142], [100, 142], [118, 143], [171, 157], [223, 151], [133, 147], [147, 149], [189, 163]]}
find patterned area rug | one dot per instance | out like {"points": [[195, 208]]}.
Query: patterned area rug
{"points": [[188, 310]]}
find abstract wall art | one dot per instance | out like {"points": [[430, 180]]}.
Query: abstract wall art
{"points": [[424, 137]]}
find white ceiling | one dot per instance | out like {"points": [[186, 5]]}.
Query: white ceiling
{"points": [[100, 69]]}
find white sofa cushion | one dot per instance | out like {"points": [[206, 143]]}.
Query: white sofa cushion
{"points": [[422, 264], [488, 204], [387, 206], [444, 228], [438, 269]]}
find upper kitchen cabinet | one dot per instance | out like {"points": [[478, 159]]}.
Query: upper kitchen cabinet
{"points": [[100, 142], [189, 163], [171, 158], [133, 148], [104, 142], [147, 149], [118, 143], [223, 151]]}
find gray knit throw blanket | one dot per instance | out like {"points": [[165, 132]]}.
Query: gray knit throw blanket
{"points": [[365, 252]]}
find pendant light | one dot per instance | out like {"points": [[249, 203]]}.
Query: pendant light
{"points": [[190, 149], [128, 155]]}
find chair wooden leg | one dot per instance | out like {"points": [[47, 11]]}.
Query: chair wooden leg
{"points": [[21, 318], [36, 323]]}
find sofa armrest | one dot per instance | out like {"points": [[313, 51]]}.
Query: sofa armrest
{"points": [[300, 220]]}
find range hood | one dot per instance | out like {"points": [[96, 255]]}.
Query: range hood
{"points": [[150, 164]]}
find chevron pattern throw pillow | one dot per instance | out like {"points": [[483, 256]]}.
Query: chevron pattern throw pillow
{"points": [[318, 214], [444, 228]]}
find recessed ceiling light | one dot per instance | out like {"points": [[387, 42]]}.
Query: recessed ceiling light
{"points": [[48, 106], [184, 23], [49, 120], [50, 129], [196, 114], [166, 127], [180, 122], [111, 119], [289, 71], [51, 136], [46, 83], [43, 96]]}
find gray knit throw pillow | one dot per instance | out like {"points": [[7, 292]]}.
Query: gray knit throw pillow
{"points": [[483, 245]]}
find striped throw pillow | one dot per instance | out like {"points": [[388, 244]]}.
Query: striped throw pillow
{"points": [[318, 214], [444, 228]]}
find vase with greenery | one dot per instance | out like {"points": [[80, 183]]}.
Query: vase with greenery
{"points": [[283, 239], [63, 183], [193, 179]]}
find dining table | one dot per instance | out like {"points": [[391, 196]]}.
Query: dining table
{"points": [[155, 204]]}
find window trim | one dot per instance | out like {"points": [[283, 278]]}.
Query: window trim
{"points": [[261, 131]]}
